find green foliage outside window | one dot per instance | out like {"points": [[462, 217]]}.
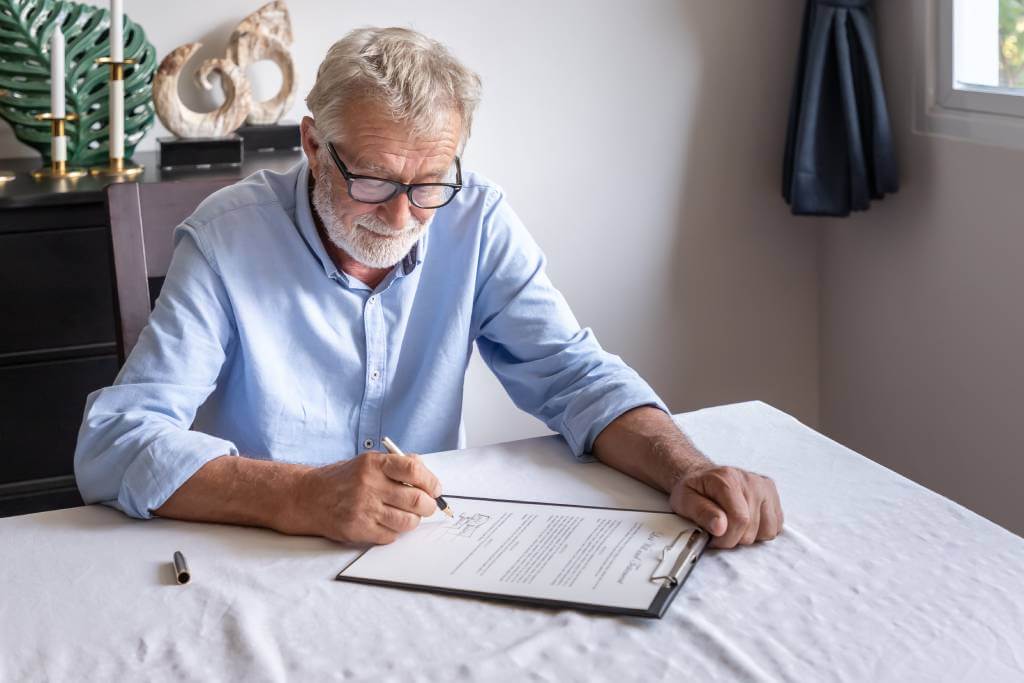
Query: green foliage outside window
{"points": [[1011, 43]]}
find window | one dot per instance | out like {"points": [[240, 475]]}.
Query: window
{"points": [[988, 45], [974, 75]]}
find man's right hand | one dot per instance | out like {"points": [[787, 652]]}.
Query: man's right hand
{"points": [[364, 500]]}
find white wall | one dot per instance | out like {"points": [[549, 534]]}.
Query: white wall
{"points": [[922, 325], [641, 143]]}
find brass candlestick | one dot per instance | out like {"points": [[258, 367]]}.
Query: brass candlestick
{"points": [[5, 174], [117, 165], [59, 149]]}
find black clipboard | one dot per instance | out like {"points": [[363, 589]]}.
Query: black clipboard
{"points": [[678, 559]]}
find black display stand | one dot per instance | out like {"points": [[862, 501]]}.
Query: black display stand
{"points": [[277, 137], [191, 153]]}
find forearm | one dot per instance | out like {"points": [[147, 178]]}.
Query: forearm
{"points": [[239, 490], [646, 444]]}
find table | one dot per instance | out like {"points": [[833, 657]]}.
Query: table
{"points": [[874, 578]]}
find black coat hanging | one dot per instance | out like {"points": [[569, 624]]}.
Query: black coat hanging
{"points": [[839, 146]]}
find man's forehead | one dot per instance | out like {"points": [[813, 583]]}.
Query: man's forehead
{"points": [[399, 162], [375, 161], [377, 144]]}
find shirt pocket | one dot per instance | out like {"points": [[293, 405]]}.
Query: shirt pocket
{"points": [[311, 427]]}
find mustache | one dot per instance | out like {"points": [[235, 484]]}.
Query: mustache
{"points": [[379, 227]]}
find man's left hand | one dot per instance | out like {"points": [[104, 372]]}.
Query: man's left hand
{"points": [[735, 506]]}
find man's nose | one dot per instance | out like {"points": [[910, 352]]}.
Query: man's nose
{"points": [[396, 211]]}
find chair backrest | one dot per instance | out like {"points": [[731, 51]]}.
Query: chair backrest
{"points": [[142, 222]]}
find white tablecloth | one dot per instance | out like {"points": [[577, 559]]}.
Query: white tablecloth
{"points": [[874, 578]]}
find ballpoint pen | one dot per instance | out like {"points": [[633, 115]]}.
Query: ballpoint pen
{"points": [[392, 447]]}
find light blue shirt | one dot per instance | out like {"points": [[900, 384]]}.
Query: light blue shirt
{"points": [[259, 346]]}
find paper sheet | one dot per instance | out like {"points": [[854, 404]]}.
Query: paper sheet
{"points": [[594, 556]]}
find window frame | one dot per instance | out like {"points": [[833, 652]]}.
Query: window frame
{"points": [[991, 115]]}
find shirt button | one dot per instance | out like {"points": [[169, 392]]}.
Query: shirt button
{"points": [[371, 300], [374, 375], [368, 443]]}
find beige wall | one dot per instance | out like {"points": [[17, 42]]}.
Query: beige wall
{"points": [[922, 326], [704, 283], [641, 144]]}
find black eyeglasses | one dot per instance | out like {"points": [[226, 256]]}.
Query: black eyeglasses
{"points": [[370, 190]]}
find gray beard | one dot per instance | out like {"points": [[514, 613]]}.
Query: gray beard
{"points": [[364, 241]]}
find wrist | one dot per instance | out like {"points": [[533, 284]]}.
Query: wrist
{"points": [[680, 459], [291, 515], [645, 443]]}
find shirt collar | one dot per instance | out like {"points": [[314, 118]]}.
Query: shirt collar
{"points": [[307, 230]]}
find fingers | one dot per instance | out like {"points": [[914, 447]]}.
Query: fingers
{"points": [[701, 510], [410, 499], [364, 525], [737, 507], [398, 521], [725, 488], [771, 512], [749, 534], [410, 470], [372, 532], [770, 526], [384, 536], [777, 507]]}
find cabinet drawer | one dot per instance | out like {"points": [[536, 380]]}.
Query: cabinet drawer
{"points": [[42, 410], [54, 494], [55, 289]]}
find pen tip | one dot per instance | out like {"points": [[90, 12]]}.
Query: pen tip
{"points": [[448, 511]]}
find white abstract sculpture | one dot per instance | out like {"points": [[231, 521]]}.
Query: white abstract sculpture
{"points": [[186, 123], [264, 34]]}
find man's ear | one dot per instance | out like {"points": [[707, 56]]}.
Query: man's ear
{"points": [[310, 142]]}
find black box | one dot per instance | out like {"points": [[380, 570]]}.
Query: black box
{"points": [[192, 153], [276, 136]]}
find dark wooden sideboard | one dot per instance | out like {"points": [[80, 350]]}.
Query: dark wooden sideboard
{"points": [[58, 320]]}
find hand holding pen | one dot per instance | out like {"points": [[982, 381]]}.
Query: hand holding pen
{"points": [[372, 498], [392, 447]]}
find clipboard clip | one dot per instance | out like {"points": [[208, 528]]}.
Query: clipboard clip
{"points": [[691, 545]]}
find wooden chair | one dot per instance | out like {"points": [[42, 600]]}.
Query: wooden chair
{"points": [[142, 222]]}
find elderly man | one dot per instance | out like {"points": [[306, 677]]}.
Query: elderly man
{"points": [[308, 314]]}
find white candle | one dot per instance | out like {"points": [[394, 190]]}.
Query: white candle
{"points": [[116, 131], [116, 30], [57, 73]]}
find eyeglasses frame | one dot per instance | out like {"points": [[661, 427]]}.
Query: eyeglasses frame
{"points": [[407, 188]]}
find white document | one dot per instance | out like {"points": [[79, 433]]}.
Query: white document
{"points": [[589, 556]]}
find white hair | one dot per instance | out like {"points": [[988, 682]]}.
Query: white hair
{"points": [[415, 79]]}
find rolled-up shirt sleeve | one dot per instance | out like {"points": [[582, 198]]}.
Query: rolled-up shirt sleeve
{"points": [[135, 447], [526, 333]]}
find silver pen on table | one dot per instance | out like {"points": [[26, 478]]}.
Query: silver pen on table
{"points": [[392, 447], [181, 572]]}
